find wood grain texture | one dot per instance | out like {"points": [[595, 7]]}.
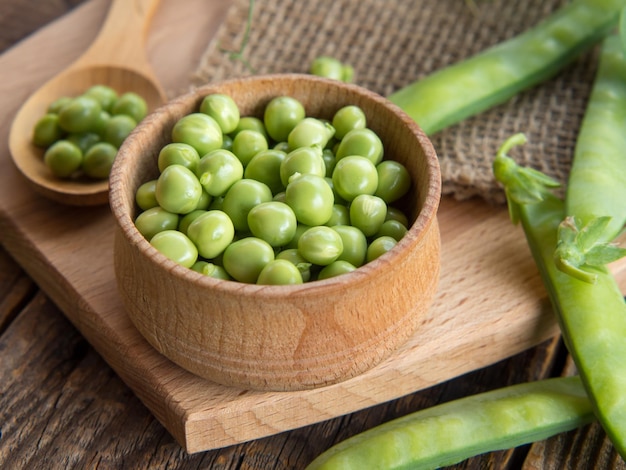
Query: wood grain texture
{"points": [[38, 229]]}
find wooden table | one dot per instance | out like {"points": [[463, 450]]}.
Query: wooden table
{"points": [[62, 406]]}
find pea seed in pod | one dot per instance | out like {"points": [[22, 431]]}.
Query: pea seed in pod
{"points": [[242, 196], [155, 220], [273, 222], [265, 167], [281, 115], [293, 256], [176, 246], [223, 109], [279, 272], [180, 154], [363, 142], [64, 158], [354, 175], [211, 232], [218, 171], [367, 213], [311, 199], [178, 190], [79, 114], [310, 132], [130, 104], [98, 160], [354, 244], [244, 259], [334, 269], [394, 180], [117, 129], [379, 247], [320, 245], [47, 130], [145, 196], [200, 131], [303, 160], [247, 143], [348, 118]]}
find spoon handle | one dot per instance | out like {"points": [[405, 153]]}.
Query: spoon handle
{"points": [[121, 40]]}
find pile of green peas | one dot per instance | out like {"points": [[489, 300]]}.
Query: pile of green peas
{"points": [[282, 199], [81, 135]]}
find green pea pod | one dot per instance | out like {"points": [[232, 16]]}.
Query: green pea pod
{"points": [[597, 181], [451, 432], [592, 316], [493, 76]]}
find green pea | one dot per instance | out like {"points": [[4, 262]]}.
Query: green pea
{"points": [[178, 190], [104, 94], [354, 244], [200, 131], [217, 203], [394, 213], [56, 105], [117, 129], [100, 124], [280, 272], [242, 196], [84, 140], [176, 246], [392, 228], [211, 232], [281, 115], [245, 259], [329, 162], [205, 200], [310, 132], [348, 118], [155, 220], [394, 180], [218, 171], [320, 245], [63, 158], [185, 221], [250, 123], [145, 195], [340, 216], [47, 131], [211, 270], [329, 67], [265, 167], [379, 247], [300, 229], [363, 142], [227, 142], [79, 114], [367, 213], [304, 161], [273, 222], [130, 104], [334, 269], [354, 175], [223, 109], [293, 256], [311, 199], [180, 154], [98, 160], [247, 143], [284, 146]]}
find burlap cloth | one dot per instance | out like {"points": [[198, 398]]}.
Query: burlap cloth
{"points": [[391, 43]]}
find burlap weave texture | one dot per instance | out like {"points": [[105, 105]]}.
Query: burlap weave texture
{"points": [[391, 43]]}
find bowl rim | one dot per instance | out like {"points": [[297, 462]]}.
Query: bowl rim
{"points": [[416, 231]]}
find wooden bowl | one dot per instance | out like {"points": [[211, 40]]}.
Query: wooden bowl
{"points": [[280, 338]]}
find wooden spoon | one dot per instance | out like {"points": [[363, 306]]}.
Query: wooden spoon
{"points": [[116, 58]]}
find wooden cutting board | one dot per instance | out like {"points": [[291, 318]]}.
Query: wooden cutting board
{"points": [[490, 303]]}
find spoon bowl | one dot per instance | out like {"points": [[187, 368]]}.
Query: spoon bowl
{"points": [[117, 59]]}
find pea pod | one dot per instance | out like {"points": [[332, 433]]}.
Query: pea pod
{"points": [[493, 76], [592, 316], [451, 432]]}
